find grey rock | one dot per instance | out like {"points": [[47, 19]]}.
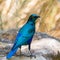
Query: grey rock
{"points": [[41, 35]]}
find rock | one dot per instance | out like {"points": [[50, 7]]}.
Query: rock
{"points": [[41, 35], [43, 49], [43, 46], [3, 58]]}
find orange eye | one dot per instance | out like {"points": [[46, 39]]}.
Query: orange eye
{"points": [[32, 17]]}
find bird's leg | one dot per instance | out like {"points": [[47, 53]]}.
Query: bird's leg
{"points": [[20, 50], [31, 55]]}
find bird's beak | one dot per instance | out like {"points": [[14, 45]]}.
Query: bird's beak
{"points": [[38, 16]]}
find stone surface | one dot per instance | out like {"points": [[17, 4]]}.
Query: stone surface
{"points": [[43, 49], [43, 46]]}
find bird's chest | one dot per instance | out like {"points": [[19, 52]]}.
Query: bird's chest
{"points": [[28, 30], [28, 33]]}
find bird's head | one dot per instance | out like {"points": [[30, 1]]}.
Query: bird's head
{"points": [[34, 17]]}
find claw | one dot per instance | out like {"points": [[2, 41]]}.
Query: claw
{"points": [[32, 56]]}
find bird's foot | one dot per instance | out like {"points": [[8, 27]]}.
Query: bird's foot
{"points": [[31, 56]]}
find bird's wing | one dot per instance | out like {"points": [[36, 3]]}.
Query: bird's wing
{"points": [[18, 35], [25, 33], [21, 40]]}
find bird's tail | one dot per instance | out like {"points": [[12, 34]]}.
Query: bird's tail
{"points": [[11, 53]]}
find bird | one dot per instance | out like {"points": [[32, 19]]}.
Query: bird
{"points": [[24, 35]]}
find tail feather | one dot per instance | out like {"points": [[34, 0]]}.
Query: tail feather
{"points": [[11, 53]]}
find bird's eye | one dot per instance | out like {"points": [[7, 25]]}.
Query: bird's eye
{"points": [[32, 17]]}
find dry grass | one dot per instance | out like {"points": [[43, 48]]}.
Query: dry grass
{"points": [[16, 13]]}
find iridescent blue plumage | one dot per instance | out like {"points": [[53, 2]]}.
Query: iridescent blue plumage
{"points": [[24, 36]]}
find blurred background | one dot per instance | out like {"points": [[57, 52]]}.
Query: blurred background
{"points": [[15, 13]]}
